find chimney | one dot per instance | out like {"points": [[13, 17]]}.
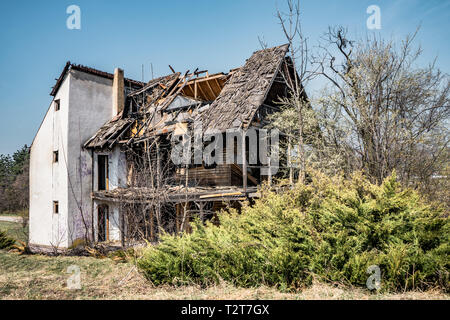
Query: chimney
{"points": [[118, 92]]}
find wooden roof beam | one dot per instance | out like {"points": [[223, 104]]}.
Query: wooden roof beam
{"points": [[214, 95], [218, 85], [204, 96], [211, 77]]}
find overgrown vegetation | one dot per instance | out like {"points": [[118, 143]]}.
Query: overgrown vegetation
{"points": [[332, 228], [380, 109]]}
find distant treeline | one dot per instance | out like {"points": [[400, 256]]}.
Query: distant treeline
{"points": [[14, 180]]}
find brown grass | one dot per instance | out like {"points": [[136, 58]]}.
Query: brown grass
{"points": [[44, 277]]}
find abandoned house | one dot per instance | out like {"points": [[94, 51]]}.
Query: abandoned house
{"points": [[101, 167]]}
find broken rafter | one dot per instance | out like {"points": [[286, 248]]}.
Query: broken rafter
{"points": [[213, 94]]}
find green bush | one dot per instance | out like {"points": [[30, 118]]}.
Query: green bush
{"points": [[5, 241], [332, 228], [361, 224]]}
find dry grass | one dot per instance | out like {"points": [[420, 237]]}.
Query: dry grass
{"points": [[44, 277]]}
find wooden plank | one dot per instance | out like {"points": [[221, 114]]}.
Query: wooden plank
{"points": [[122, 228], [195, 90], [220, 87], [188, 91], [244, 162], [107, 223], [221, 195], [214, 95], [204, 96], [218, 176], [152, 235], [238, 170], [177, 217]]}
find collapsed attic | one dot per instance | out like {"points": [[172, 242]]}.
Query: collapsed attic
{"points": [[134, 180]]}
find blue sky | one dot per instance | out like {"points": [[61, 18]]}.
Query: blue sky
{"points": [[210, 34]]}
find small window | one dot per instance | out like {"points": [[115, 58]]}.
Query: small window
{"points": [[103, 172], [57, 105], [55, 207], [55, 156]]}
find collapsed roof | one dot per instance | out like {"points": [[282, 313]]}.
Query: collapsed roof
{"points": [[245, 91], [221, 101]]}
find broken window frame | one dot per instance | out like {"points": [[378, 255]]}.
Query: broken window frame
{"points": [[55, 207], [102, 172], [57, 104], [55, 156]]}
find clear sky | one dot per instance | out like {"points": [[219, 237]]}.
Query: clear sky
{"points": [[209, 34]]}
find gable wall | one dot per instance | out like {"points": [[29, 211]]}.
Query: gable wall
{"points": [[48, 180]]}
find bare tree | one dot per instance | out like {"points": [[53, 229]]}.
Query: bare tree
{"points": [[395, 113], [296, 79], [145, 208]]}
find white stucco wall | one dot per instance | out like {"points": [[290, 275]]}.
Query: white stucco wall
{"points": [[48, 180], [90, 108], [85, 106]]}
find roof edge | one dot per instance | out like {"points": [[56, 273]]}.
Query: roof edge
{"points": [[70, 66]]}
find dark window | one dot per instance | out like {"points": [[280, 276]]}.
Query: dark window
{"points": [[57, 105], [55, 207], [55, 156], [102, 172], [103, 223]]}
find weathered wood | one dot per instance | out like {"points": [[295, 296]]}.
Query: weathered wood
{"points": [[245, 91], [213, 94], [202, 92], [195, 90], [122, 228], [152, 232], [177, 217], [244, 162], [221, 195]]}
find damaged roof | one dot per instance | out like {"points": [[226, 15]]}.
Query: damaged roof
{"points": [[245, 91], [221, 101], [109, 132]]}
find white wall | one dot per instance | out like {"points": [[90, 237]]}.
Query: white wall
{"points": [[86, 105], [48, 180], [90, 108]]}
